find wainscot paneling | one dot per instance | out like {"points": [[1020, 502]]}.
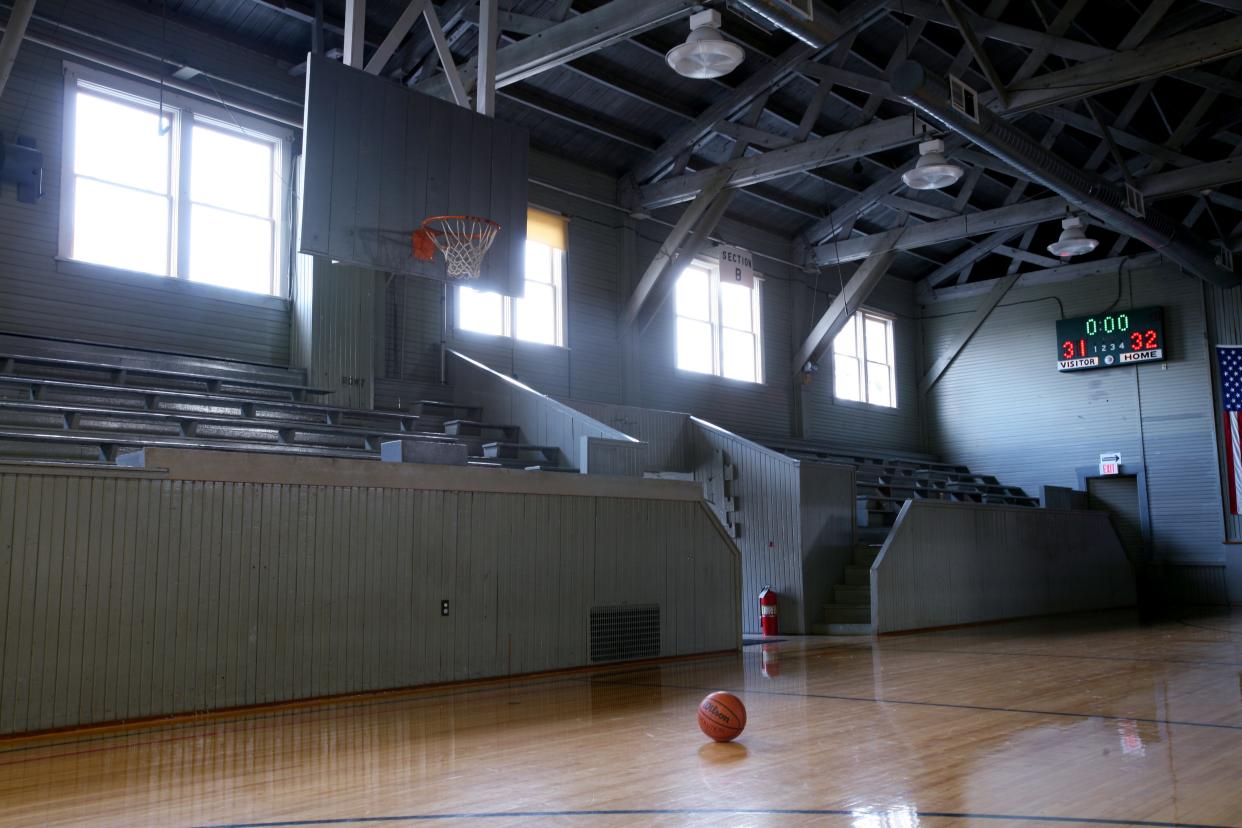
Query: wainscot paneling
{"points": [[130, 594], [956, 563]]}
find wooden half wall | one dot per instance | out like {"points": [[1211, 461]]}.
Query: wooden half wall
{"points": [[209, 580], [542, 420], [793, 522], [957, 563]]}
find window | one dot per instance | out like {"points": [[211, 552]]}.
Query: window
{"points": [[862, 361], [717, 325], [538, 316], [186, 190]]}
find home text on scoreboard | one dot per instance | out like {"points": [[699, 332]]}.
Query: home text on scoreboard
{"points": [[1110, 340]]}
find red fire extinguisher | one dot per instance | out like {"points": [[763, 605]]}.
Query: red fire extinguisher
{"points": [[767, 610]]}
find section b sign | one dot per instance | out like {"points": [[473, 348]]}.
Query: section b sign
{"points": [[737, 266]]}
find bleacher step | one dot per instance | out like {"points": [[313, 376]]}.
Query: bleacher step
{"points": [[852, 595], [520, 451], [842, 629], [865, 554], [858, 576], [487, 431], [447, 410], [847, 613]]}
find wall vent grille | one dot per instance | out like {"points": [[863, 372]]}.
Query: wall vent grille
{"points": [[622, 633]]}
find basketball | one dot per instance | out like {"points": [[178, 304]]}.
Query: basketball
{"points": [[722, 716]]}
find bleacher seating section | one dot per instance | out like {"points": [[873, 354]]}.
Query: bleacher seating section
{"points": [[67, 402], [882, 485]]}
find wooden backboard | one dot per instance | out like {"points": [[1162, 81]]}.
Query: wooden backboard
{"points": [[379, 158]]}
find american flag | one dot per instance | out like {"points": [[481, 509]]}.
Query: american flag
{"points": [[1230, 359]]}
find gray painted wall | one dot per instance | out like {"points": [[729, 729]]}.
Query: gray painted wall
{"points": [[130, 594], [1003, 407], [958, 563], [852, 425], [42, 296]]}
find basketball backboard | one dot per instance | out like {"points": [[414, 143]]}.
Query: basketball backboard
{"points": [[379, 158]]}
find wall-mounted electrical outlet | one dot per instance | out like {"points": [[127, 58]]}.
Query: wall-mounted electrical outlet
{"points": [[444, 607]]}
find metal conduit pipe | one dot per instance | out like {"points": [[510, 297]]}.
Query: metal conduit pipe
{"points": [[928, 94], [171, 83]]}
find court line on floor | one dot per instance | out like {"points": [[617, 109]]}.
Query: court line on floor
{"points": [[226, 720], [949, 705], [1230, 664], [884, 648], [104, 748], [1213, 629], [697, 812], [413, 695]]}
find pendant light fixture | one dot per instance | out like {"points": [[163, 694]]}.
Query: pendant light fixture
{"points": [[932, 172], [1073, 241], [705, 54]]}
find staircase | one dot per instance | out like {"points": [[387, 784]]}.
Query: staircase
{"points": [[882, 486], [67, 402], [849, 612]]}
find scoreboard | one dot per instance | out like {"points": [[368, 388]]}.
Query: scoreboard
{"points": [[1110, 340]]}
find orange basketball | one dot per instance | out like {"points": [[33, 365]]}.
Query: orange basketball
{"points": [[722, 716]]}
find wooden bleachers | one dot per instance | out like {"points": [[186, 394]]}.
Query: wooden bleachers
{"points": [[58, 403], [884, 484]]}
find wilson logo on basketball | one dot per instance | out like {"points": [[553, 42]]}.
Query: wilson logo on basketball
{"points": [[722, 716]]}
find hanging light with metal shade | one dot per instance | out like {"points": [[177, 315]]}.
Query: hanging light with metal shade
{"points": [[1073, 241], [705, 54], [932, 172]]}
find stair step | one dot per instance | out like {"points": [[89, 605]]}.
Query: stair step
{"points": [[847, 614], [873, 534], [842, 629], [858, 576], [865, 554], [852, 595]]}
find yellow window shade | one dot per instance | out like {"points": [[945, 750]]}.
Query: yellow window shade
{"points": [[548, 228]]}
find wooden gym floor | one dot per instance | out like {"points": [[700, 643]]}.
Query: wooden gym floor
{"points": [[1089, 720]]}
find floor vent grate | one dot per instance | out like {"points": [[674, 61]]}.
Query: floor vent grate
{"points": [[621, 633]]}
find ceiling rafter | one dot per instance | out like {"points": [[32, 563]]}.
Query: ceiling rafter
{"points": [[849, 71]]}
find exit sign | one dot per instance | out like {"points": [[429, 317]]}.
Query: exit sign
{"points": [[1110, 464]]}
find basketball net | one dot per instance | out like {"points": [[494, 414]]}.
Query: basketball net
{"points": [[462, 240]]}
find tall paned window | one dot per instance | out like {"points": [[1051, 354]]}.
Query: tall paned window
{"points": [[863, 367], [717, 324], [539, 314], [181, 189]]}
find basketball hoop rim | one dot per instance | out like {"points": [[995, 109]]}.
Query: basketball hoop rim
{"points": [[488, 223]]}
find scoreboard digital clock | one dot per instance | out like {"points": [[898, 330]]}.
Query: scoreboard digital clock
{"points": [[1110, 340]]}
